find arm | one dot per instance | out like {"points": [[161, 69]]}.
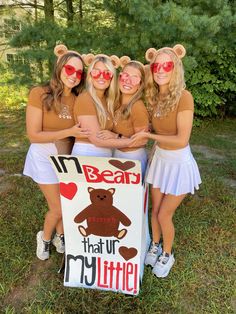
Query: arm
{"points": [[34, 120], [181, 139], [122, 217], [91, 122], [82, 215]]}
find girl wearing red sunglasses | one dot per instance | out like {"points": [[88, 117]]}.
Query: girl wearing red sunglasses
{"points": [[173, 172], [94, 109], [50, 126], [131, 115]]}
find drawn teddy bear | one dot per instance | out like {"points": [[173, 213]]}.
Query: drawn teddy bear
{"points": [[102, 217]]}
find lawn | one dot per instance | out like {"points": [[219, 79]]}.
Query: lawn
{"points": [[203, 277]]}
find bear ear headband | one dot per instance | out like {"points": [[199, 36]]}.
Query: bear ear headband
{"points": [[61, 50], [125, 60], [178, 49], [88, 59]]}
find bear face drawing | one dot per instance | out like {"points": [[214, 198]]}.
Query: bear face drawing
{"points": [[103, 219]]}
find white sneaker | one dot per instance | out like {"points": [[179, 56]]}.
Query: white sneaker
{"points": [[43, 247], [163, 265], [59, 243], [153, 253]]}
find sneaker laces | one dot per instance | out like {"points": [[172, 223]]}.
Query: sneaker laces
{"points": [[61, 237], [46, 245], [154, 248], [163, 258]]}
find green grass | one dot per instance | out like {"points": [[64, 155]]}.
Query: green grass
{"points": [[203, 277]]}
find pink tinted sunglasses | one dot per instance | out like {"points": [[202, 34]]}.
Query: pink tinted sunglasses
{"points": [[133, 79], [166, 66], [70, 70], [107, 75]]}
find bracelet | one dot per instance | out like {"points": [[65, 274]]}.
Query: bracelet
{"points": [[119, 135]]}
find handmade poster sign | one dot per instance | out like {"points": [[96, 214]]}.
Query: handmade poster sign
{"points": [[104, 207]]}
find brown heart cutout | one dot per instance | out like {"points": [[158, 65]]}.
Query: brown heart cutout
{"points": [[127, 253], [122, 165]]}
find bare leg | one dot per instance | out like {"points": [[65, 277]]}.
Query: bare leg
{"points": [[53, 217], [167, 209], [59, 227], [157, 197]]}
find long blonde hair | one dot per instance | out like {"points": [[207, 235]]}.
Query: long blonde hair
{"points": [[124, 112], [110, 93], [162, 107]]}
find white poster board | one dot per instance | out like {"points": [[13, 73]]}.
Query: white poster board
{"points": [[104, 208]]}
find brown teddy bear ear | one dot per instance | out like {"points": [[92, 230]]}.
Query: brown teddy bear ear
{"points": [[150, 54], [124, 60], [88, 59], [179, 50], [115, 61], [83, 56], [60, 50], [112, 191], [90, 189]]}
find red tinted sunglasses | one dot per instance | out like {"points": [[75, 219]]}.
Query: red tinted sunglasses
{"points": [[107, 75], [166, 66], [133, 79], [70, 70]]}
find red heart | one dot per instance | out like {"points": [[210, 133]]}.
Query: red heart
{"points": [[68, 190], [127, 253]]}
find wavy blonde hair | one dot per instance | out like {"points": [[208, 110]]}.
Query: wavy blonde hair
{"points": [[124, 112], [55, 87], [168, 103], [110, 93]]}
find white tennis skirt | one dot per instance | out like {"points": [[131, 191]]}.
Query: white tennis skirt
{"points": [[37, 164], [174, 171], [138, 154], [88, 149]]}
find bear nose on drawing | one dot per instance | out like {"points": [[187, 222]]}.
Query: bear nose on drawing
{"points": [[101, 197]]}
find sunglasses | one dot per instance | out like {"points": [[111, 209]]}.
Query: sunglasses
{"points": [[107, 75], [133, 79], [166, 66], [70, 70]]}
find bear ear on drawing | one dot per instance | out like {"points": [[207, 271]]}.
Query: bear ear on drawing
{"points": [[90, 189], [112, 190]]}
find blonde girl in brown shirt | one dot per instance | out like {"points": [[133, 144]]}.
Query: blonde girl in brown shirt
{"points": [[94, 109], [173, 172], [131, 115], [50, 124]]}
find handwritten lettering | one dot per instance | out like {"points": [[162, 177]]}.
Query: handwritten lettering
{"points": [[93, 174]]}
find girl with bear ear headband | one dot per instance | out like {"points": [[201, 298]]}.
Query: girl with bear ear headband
{"points": [[50, 124], [131, 115], [173, 172], [94, 109]]}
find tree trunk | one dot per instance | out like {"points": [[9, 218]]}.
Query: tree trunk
{"points": [[81, 11], [35, 11], [49, 10], [70, 12]]}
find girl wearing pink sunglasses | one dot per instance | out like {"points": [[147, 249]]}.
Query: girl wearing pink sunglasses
{"points": [[173, 172], [94, 109], [131, 115], [50, 128]]}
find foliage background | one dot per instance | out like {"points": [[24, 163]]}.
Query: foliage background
{"points": [[206, 28]]}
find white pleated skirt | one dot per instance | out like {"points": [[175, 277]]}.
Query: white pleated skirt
{"points": [[174, 171], [138, 154], [37, 164], [88, 149]]}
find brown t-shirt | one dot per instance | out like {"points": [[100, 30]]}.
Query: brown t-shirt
{"points": [[138, 119], [53, 121], [85, 106], [168, 125]]}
